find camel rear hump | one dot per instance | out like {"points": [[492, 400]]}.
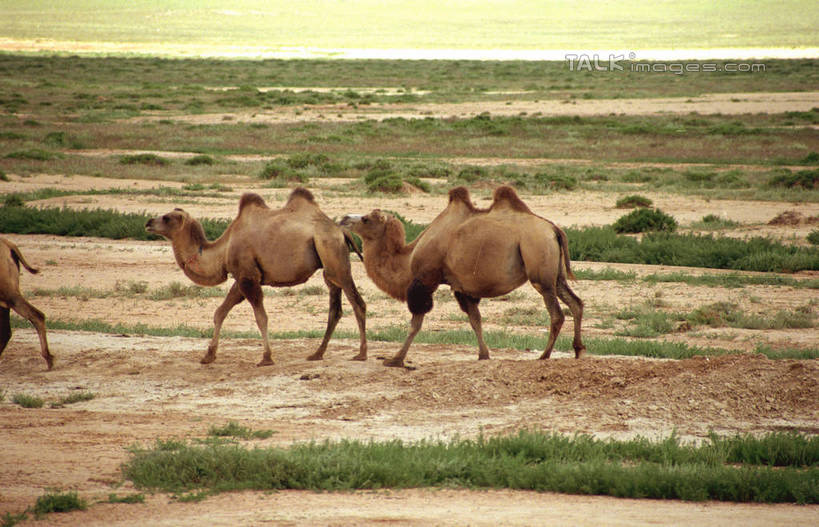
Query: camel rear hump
{"points": [[506, 197], [251, 198]]}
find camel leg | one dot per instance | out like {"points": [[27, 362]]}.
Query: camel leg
{"points": [[333, 316], [37, 319], [576, 306], [233, 298], [469, 305], [252, 291], [415, 327], [555, 315], [5, 328], [360, 310]]}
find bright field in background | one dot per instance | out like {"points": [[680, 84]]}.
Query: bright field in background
{"points": [[265, 27]]}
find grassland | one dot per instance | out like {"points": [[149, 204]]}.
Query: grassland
{"points": [[185, 26]]}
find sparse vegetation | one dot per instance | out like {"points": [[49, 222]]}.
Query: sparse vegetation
{"points": [[56, 501], [27, 401], [234, 429], [633, 201], [144, 159], [580, 464]]}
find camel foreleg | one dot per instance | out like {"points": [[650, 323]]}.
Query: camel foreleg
{"points": [[233, 298], [415, 327], [252, 291], [469, 305]]}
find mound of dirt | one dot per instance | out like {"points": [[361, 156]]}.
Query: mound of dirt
{"points": [[793, 218]]}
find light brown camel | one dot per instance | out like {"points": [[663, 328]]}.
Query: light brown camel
{"points": [[263, 246], [10, 298], [479, 253]]}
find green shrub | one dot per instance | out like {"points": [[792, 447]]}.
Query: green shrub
{"points": [[13, 200], [234, 429], [556, 181], [810, 159], [59, 502], [645, 220], [807, 179], [34, 154], [380, 180], [144, 159], [712, 221], [632, 202], [279, 170], [3, 176], [813, 237], [27, 401], [200, 160], [130, 498], [471, 174]]}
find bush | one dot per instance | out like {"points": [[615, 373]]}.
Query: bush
{"points": [[472, 174], [645, 220], [556, 181], [810, 159], [632, 202], [807, 179], [279, 170], [144, 159], [200, 160], [380, 180], [59, 502], [813, 237], [3, 176], [33, 154], [27, 401]]}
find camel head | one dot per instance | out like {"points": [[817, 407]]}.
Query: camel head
{"points": [[168, 225], [377, 226]]}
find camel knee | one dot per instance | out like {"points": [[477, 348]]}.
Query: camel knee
{"points": [[419, 298]]}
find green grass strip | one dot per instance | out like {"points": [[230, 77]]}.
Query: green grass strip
{"points": [[526, 461], [494, 339]]}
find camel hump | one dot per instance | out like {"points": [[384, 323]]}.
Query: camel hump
{"points": [[251, 198], [461, 195], [303, 193], [506, 196]]}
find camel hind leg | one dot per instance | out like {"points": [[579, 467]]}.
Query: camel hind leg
{"points": [[556, 316], [37, 319], [469, 305], [576, 306], [5, 328], [333, 316], [360, 310]]}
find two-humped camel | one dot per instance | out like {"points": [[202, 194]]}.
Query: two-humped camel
{"points": [[479, 253], [11, 298], [264, 246]]}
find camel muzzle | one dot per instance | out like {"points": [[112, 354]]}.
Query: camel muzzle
{"points": [[350, 219]]}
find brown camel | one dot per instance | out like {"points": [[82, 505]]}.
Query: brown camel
{"points": [[10, 298], [479, 253], [263, 246]]}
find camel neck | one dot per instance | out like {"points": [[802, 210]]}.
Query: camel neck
{"points": [[203, 263], [389, 270]]}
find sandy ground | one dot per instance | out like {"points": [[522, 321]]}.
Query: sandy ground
{"points": [[154, 387]]}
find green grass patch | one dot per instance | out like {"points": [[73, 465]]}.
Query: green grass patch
{"points": [[234, 429], [76, 397], [59, 502], [537, 461], [645, 220], [27, 401], [494, 339], [633, 201], [144, 159]]}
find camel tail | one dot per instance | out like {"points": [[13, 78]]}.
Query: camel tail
{"points": [[17, 256], [348, 238], [564, 252]]}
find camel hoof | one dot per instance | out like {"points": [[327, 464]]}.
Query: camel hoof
{"points": [[579, 353], [314, 356], [50, 363], [265, 362], [483, 357], [360, 356], [394, 363]]}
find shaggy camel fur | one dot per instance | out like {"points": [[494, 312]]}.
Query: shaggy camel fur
{"points": [[263, 246], [10, 298], [479, 253]]}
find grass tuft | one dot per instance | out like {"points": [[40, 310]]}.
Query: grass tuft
{"points": [[27, 401], [59, 502]]}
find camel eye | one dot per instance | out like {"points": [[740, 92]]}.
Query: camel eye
{"points": [[165, 218], [365, 219]]}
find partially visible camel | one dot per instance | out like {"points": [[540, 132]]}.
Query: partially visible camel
{"points": [[263, 246], [11, 298], [479, 253]]}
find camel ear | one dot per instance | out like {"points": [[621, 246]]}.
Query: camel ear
{"points": [[394, 234]]}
